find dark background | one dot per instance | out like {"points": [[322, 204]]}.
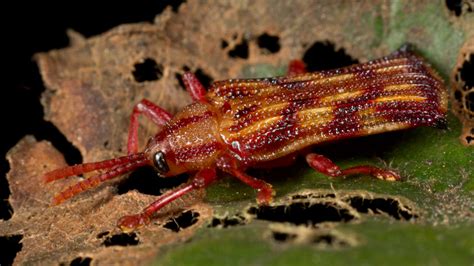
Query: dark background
{"points": [[38, 26], [28, 27]]}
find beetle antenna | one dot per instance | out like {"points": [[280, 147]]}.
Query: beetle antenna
{"points": [[134, 161], [89, 167]]}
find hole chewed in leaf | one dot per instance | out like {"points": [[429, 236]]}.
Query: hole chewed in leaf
{"points": [[240, 50], [224, 222], [323, 56], [81, 261], [310, 208], [303, 212], [224, 44], [391, 207], [462, 92], [122, 239], [101, 235], [148, 70], [204, 78], [458, 7], [11, 245], [183, 221], [283, 236], [323, 238], [330, 240], [269, 43]]}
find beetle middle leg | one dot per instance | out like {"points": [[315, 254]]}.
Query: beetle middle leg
{"points": [[325, 166]]}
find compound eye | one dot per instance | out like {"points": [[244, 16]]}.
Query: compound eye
{"points": [[160, 162]]}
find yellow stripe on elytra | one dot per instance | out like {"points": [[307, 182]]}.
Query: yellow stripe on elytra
{"points": [[315, 116], [255, 126], [318, 78], [400, 87], [400, 98]]}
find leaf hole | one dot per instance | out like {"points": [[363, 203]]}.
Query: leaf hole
{"points": [[387, 206], [470, 139], [459, 6], [81, 261], [458, 95], [270, 43], [204, 78], [323, 56], [227, 221], [224, 44], [101, 235], [183, 221], [122, 239], [11, 245], [283, 236], [467, 71], [302, 213], [330, 240], [148, 70], [470, 101], [241, 50]]}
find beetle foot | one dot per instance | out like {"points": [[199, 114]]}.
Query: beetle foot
{"points": [[130, 223], [387, 175], [265, 195]]}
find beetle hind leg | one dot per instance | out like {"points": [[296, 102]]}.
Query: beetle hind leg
{"points": [[325, 166]]}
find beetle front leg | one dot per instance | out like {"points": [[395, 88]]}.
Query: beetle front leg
{"points": [[325, 166], [201, 180], [155, 113]]}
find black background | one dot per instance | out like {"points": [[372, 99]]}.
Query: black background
{"points": [[36, 26]]}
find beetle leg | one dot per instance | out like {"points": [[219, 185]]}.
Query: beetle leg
{"points": [[296, 67], [201, 180], [265, 191], [194, 87], [150, 110], [325, 166]]}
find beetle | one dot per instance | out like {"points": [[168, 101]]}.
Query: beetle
{"points": [[245, 123]]}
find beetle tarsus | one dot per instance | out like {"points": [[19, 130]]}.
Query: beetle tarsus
{"points": [[130, 223]]}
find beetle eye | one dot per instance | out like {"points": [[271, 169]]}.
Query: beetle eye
{"points": [[160, 162]]}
